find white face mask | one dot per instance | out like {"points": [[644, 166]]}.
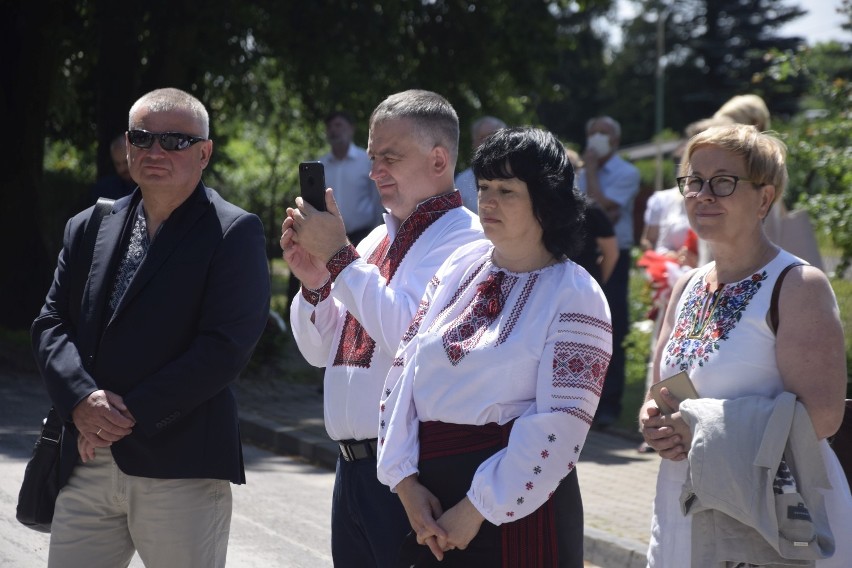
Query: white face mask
{"points": [[599, 144]]}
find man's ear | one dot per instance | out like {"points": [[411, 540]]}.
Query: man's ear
{"points": [[440, 160], [206, 153]]}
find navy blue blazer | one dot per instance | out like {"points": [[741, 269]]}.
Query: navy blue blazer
{"points": [[181, 334]]}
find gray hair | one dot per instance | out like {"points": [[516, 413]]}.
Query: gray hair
{"points": [[606, 120], [168, 99], [491, 121], [435, 120]]}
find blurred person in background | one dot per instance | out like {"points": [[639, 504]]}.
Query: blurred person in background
{"points": [[465, 181], [613, 184]]}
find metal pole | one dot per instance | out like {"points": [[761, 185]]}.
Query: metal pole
{"points": [[658, 112]]}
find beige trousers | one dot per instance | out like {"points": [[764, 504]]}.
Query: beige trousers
{"points": [[103, 515]]}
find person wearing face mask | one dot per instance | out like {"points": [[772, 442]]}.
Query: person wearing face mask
{"points": [[613, 184]]}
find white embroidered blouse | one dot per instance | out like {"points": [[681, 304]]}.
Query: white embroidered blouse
{"points": [[489, 345]]}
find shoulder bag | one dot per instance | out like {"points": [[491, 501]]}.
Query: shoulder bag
{"points": [[41, 485], [841, 442]]}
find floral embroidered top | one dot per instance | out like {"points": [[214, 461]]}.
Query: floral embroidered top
{"points": [[721, 337], [723, 340], [489, 346]]}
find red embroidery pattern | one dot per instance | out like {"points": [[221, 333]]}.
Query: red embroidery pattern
{"points": [[585, 319], [416, 321], [356, 347], [576, 412], [341, 259], [579, 365], [517, 309], [462, 287], [471, 324], [537, 469], [338, 261], [314, 297]]}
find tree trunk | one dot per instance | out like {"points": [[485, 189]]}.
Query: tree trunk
{"points": [[30, 60]]}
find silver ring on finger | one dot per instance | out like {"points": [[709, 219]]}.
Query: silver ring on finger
{"points": [[98, 434]]}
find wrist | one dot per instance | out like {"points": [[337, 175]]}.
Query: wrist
{"points": [[316, 295], [344, 256], [406, 484]]}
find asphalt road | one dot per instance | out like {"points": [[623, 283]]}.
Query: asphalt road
{"points": [[281, 516]]}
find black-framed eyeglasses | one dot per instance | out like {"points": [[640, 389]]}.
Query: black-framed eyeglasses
{"points": [[720, 186], [171, 141]]}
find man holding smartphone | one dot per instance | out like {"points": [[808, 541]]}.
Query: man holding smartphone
{"points": [[356, 304]]}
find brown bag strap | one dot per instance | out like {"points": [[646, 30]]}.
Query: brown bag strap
{"points": [[776, 292]]}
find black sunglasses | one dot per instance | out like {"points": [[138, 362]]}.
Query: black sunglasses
{"points": [[171, 141]]}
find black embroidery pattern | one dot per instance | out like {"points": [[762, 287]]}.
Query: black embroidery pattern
{"points": [[137, 248]]}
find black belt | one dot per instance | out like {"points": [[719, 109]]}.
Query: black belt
{"points": [[353, 450]]}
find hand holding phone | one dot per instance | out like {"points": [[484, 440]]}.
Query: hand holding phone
{"points": [[680, 386], [312, 184]]}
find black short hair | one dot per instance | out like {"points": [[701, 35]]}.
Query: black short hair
{"points": [[537, 158]]}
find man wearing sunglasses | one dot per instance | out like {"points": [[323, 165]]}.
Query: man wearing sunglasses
{"points": [[138, 342]]}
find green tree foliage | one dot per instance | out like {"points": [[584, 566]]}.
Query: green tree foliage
{"points": [[268, 71], [574, 91], [819, 153], [713, 50]]}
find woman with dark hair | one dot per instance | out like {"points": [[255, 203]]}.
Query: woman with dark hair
{"points": [[495, 384]]}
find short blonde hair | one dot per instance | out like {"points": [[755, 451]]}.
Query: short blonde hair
{"points": [[746, 109], [764, 153]]}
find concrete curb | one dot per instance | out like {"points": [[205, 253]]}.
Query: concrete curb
{"points": [[289, 440], [600, 547], [605, 549]]}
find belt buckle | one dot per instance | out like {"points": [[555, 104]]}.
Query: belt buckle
{"points": [[346, 452]]}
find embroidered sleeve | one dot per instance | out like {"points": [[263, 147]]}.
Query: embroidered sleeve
{"points": [[316, 296], [546, 440], [340, 260]]}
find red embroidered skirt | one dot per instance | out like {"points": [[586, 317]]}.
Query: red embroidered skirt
{"points": [[449, 457]]}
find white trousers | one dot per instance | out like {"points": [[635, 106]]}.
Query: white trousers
{"points": [[103, 515]]}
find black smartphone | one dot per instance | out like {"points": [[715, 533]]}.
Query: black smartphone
{"points": [[312, 182]]}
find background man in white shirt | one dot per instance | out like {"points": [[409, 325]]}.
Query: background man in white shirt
{"points": [[613, 183]]}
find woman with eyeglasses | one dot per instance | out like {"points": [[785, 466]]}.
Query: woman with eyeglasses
{"points": [[747, 475]]}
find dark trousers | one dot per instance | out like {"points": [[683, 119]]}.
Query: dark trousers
{"points": [[449, 479], [368, 522], [616, 290]]}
